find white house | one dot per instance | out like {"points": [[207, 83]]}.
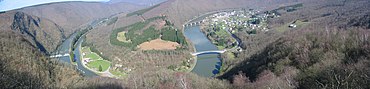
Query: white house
{"points": [[292, 26]]}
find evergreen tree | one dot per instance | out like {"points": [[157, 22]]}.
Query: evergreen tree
{"points": [[100, 68]]}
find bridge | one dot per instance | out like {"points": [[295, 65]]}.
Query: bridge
{"points": [[209, 52], [193, 24], [59, 55]]}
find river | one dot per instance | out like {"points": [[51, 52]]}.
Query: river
{"points": [[78, 56], [67, 44], [207, 64], [65, 47]]}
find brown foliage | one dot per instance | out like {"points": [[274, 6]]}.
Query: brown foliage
{"points": [[40, 32], [309, 56], [241, 81], [23, 66]]}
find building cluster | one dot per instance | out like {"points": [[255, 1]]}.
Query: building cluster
{"points": [[121, 68], [249, 21]]}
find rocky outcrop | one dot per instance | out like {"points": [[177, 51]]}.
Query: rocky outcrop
{"points": [[43, 34]]}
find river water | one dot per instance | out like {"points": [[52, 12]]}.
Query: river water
{"points": [[67, 44], [78, 56], [65, 47], [207, 64]]}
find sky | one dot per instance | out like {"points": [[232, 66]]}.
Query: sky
{"points": [[6, 5]]}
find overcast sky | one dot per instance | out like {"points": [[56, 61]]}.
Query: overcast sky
{"points": [[6, 5]]}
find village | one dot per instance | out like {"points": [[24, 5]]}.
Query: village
{"points": [[220, 27]]}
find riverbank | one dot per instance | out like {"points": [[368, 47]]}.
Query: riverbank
{"points": [[192, 49], [207, 64], [193, 64]]}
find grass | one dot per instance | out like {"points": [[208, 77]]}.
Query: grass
{"points": [[90, 54], [95, 64], [96, 60], [93, 56], [286, 26], [117, 73], [300, 23], [220, 47], [121, 37], [230, 55]]}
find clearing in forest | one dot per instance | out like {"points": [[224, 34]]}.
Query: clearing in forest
{"points": [[121, 37], [93, 60], [159, 44]]}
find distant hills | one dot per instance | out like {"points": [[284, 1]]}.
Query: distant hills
{"points": [[70, 15], [40, 32], [45, 26], [16, 4], [29, 34], [179, 11]]}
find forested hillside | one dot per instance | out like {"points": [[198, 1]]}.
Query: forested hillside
{"points": [[24, 66], [176, 12], [40, 32], [329, 52], [71, 15], [328, 48], [180, 11]]}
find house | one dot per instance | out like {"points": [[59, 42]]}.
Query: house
{"points": [[292, 26], [118, 65], [86, 60]]}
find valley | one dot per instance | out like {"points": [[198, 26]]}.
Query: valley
{"points": [[187, 44]]}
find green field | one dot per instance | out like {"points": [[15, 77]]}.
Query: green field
{"points": [[121, 37], [96, 63], [93, 56], [89, 54], [95, 59]]}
